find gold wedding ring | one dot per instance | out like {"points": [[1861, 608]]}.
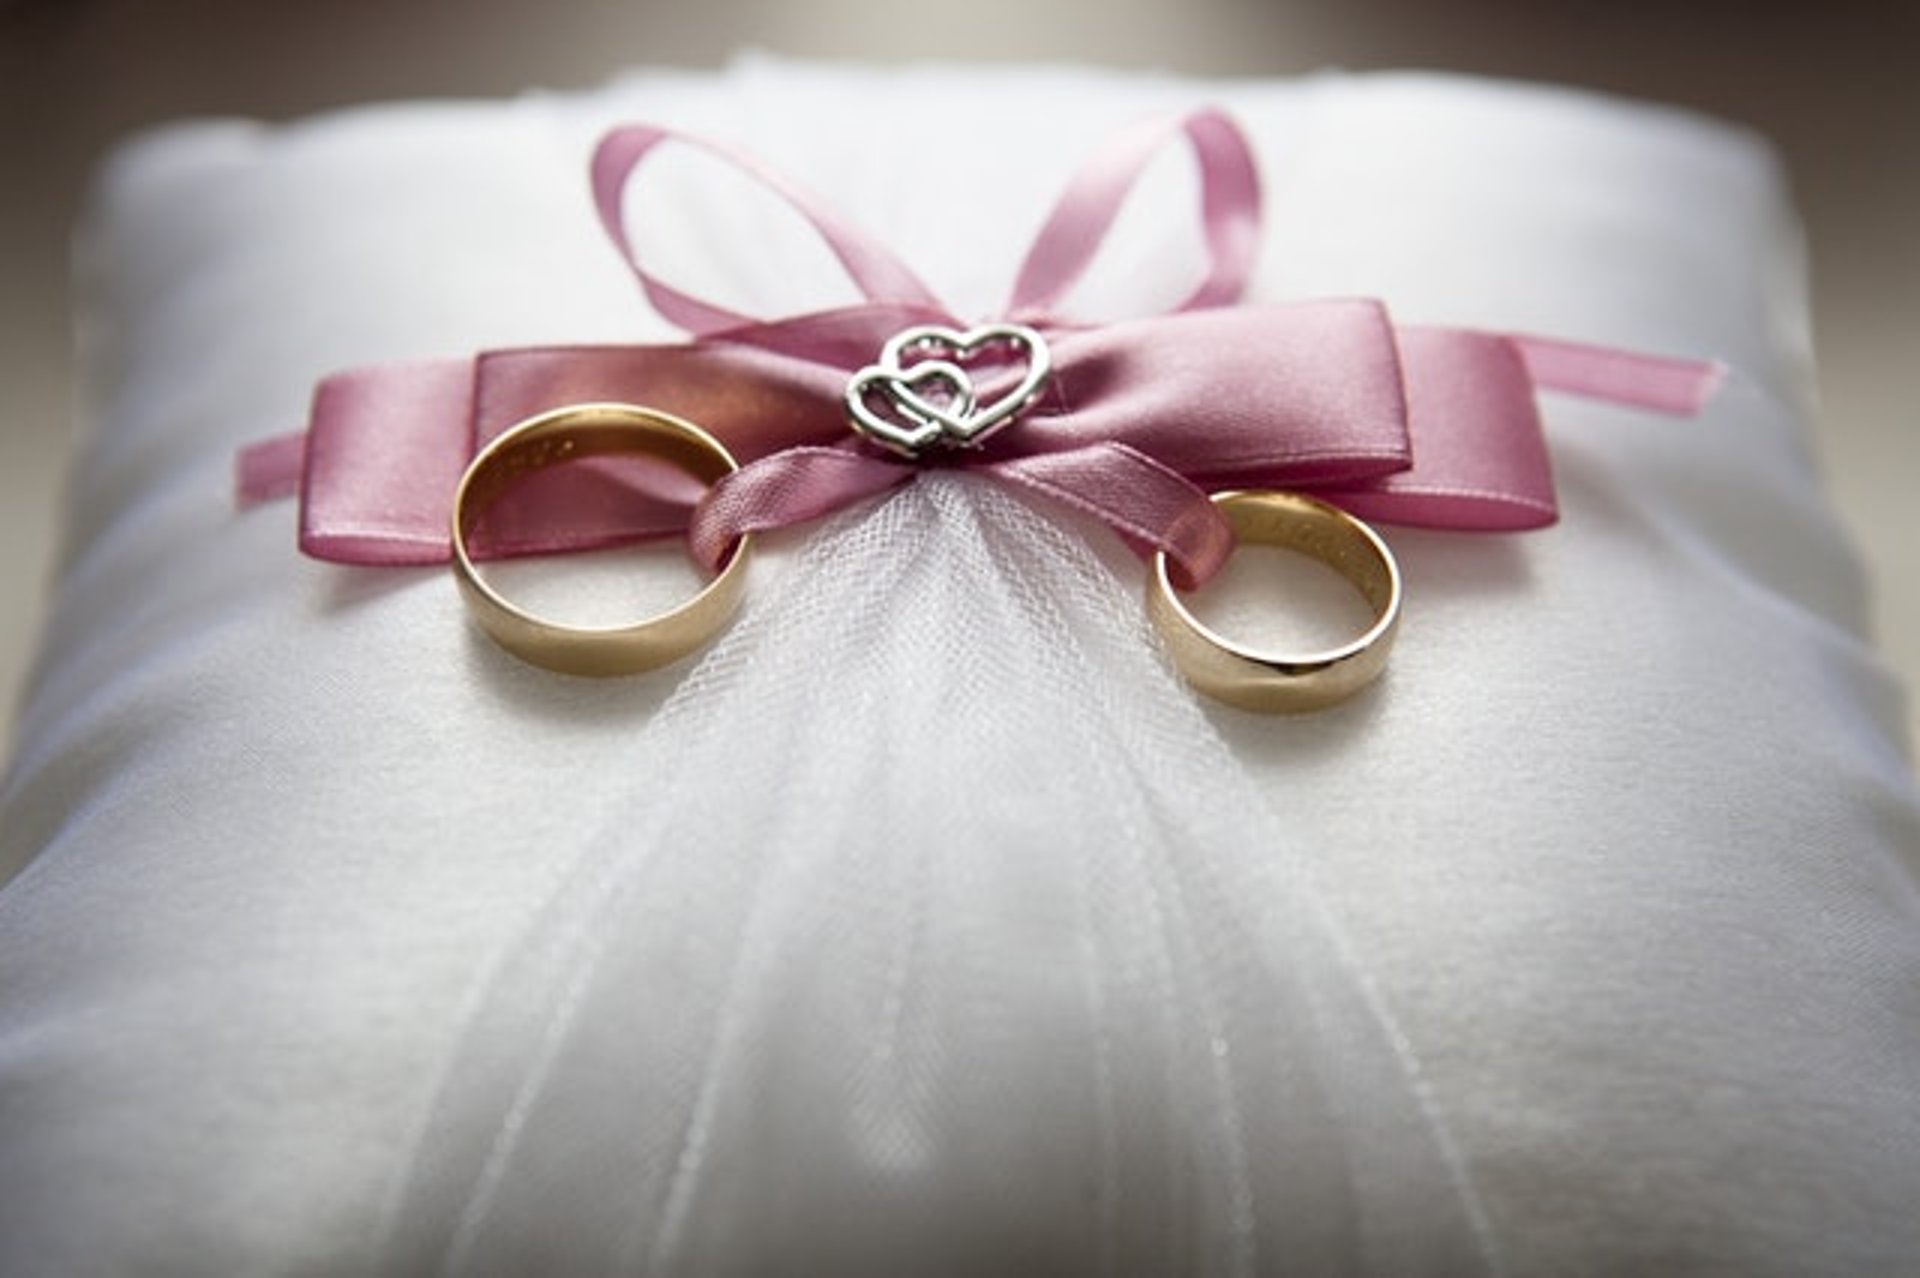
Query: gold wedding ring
{"points": [[570, 434], [1277, 683]]}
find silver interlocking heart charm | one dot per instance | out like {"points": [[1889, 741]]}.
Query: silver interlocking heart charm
{"points": [[922, 393]]}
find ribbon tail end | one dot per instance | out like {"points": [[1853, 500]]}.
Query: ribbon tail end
{"points": [[269, 470]]}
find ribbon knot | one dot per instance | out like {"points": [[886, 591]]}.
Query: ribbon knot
{"points": [[1132, 422]]}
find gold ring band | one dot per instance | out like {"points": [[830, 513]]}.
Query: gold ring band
{"points": [[569, 434], [1275, 683]]}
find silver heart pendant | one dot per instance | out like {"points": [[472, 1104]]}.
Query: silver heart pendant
{"points": [[922, 392], [913, 420]]}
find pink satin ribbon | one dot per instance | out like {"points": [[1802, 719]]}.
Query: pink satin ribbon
{"points": [[1418, 425]]}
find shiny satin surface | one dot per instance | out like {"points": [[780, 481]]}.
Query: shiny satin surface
{"points": [[1428, 426]]}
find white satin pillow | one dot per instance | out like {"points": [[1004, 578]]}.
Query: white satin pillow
{"points": [[1588, 942]]}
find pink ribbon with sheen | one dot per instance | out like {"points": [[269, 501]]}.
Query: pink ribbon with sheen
{"points": [[1417, 425]]}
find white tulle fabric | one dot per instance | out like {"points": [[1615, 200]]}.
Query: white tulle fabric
{"points": [[905, 860]]}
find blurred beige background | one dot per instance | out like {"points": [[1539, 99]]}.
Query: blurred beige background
{"points": [[1832, 83]]}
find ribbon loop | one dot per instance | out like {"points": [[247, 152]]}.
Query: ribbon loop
{"points": [[876, 272], [1074, 231]]}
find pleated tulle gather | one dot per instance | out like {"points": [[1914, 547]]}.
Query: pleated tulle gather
{"points": [[970, 947]]}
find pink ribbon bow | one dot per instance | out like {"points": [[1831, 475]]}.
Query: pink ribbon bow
{"points": [[1408, 424]]}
